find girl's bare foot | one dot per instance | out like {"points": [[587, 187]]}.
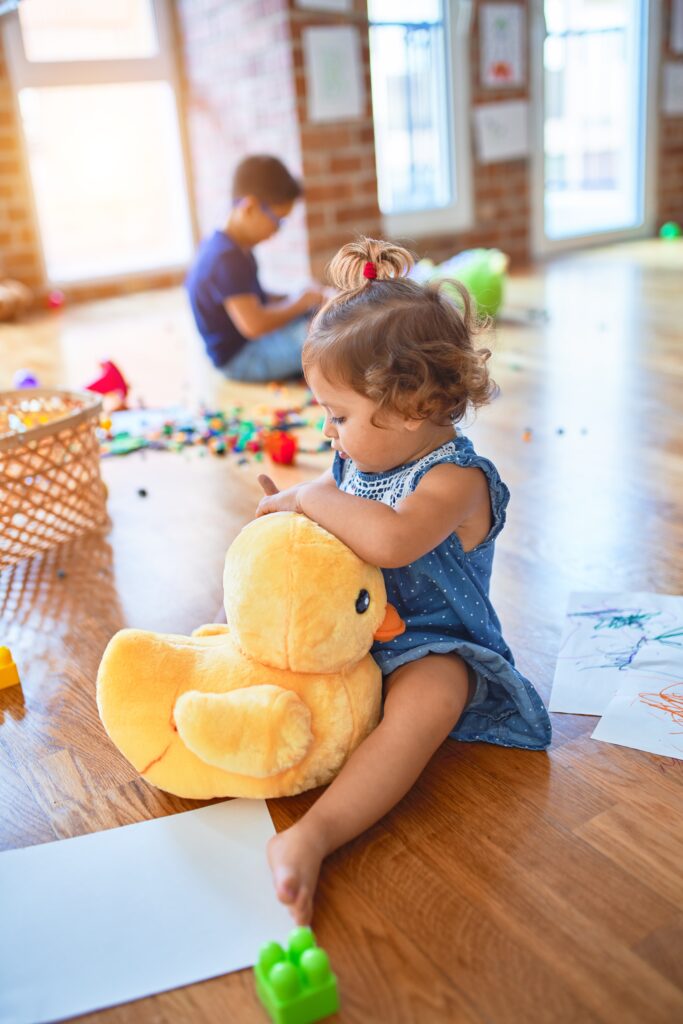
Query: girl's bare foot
{"points": [[295, 856]]}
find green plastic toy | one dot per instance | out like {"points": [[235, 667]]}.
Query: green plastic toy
{"points": [[482, 271], [296, 986], [670, 231]]}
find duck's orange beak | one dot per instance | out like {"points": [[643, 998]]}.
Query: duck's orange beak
{"points": [[393, 625]]}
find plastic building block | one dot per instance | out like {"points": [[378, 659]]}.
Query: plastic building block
{"points": [[55, 299], [281, 447], [9, 676], [25, 379], [296, 986], [111, 379]]}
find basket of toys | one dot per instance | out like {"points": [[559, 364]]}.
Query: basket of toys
{"points": [[50, 483]]}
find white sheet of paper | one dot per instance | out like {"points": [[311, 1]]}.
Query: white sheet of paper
{"points": [[647, 718], [610, 642], [672, 88], [334, 82], [501, 33], [502, 131], [101, 919]]}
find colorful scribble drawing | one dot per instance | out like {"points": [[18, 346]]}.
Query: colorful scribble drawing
{"points": [[669, 700], [620, 635], [620, 643]]}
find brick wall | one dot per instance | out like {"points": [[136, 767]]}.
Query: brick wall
{"points": [[500, 191], [337, 160], [239, 95], [20, 257], [339, 168], [338, 157], [245, 91], [670, 163]]}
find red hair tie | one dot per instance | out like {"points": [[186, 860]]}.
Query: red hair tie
{"points": [[370, 271]]}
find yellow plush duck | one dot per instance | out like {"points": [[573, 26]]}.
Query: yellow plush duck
{"points": [[272, 704]]}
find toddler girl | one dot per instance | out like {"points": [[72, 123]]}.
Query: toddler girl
{"points": [[393, 365]]}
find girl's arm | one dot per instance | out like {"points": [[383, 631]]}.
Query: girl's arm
{"points": [[446, 497]]}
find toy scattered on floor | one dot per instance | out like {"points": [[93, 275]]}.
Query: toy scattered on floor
{"points": [[296, 985], [670, 231], [112, 384], [33, 411], [24, 379], [272, 704], [482, 271], [281, 447], [266, 430], [55, 299], [15, 299], [9, 674]]}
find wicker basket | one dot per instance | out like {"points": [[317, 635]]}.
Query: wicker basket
{"points": [[50, 483]]}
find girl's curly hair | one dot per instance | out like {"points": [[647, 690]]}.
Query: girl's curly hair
{"points": [[408, 347]]}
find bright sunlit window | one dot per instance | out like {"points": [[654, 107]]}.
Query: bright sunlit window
{"points": [[96, 90], [66, 30], [419, 96], [108, 186], [594, 67], [410, 102]]}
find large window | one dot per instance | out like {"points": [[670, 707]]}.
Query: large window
{"points": [[419, 93], [96, 94], [594, 67]]}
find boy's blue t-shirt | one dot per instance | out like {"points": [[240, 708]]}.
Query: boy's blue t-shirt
{"points": [[221, 269]]}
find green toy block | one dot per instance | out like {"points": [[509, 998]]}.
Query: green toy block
{"points": [[296, 986]]}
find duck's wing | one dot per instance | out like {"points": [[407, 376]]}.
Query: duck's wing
{"points": [[258, 731]]}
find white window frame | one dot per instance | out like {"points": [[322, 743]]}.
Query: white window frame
{"points": [[459, 215], [541, 244], [161, 66]]}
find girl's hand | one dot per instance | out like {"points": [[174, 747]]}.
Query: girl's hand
{"points": [[275, 500]]}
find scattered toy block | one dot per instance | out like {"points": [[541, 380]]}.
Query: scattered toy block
{"points": [[9, 674], [296, 985], [281, 447]]}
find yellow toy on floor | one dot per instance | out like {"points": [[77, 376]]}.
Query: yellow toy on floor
{"points": [[272, 704]]}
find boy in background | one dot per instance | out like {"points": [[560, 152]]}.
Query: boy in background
{"points": [[250, 335]]}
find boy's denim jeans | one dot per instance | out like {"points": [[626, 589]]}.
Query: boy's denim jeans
{"points": [[275, 356]]}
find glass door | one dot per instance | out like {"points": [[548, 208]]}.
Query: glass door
{"points": [[594, 101]]}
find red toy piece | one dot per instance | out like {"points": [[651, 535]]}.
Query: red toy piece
{"points": [[281, 447], [111, 379], [55, 299]]}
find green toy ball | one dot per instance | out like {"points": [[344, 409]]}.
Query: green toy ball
{"points": [[670, 230], [482, 271]]}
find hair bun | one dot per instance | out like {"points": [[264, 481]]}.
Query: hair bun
{"points": [[348, 271]]}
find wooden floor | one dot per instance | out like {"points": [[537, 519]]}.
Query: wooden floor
{"points": [[508, 886]]}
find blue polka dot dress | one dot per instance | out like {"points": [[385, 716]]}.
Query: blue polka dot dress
{"points": [[443, 598]]}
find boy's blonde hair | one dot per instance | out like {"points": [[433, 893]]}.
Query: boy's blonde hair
{"points": [[404, 345]]}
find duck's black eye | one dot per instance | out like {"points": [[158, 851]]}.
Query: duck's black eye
{"points": [[362, 601]]}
